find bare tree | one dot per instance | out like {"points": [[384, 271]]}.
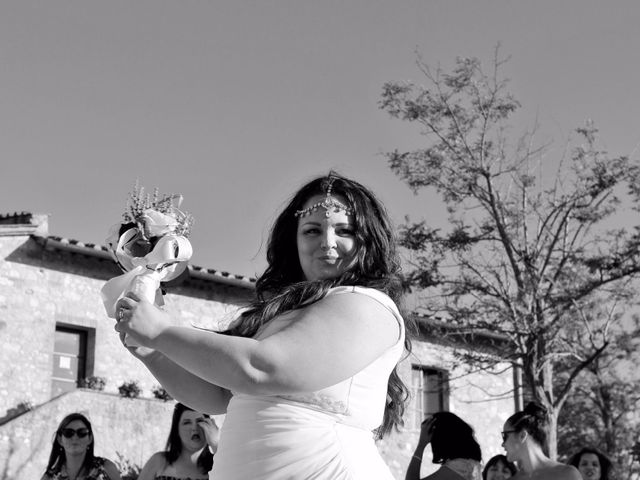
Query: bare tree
{"points": [[533, 247]]}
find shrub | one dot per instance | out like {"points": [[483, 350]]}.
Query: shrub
{"points": [[93, 383], [160, 393], [130, 389], [24, 406]]}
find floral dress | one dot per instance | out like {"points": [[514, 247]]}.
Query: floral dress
{"points": [[96, 472]]}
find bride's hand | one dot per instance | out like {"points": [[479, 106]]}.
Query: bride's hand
{"points": [[141, 353], [140, 320]]}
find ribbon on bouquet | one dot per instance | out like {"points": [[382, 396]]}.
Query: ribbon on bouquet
{"points": [[167, 259]]}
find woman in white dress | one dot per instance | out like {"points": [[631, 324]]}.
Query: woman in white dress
{"points": [[307, 374]]}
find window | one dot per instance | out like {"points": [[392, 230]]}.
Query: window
{"points": [[430, 392], [69, 359]]}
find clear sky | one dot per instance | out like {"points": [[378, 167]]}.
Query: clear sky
{"points": [[236, 103]]}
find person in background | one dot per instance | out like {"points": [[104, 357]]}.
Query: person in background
{"points": [[592, 464], [498, 468], [192, 442], [307, 373], [524, 439], [453, 444], [72, 455]]}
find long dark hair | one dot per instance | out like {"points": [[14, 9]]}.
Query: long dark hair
{"points": [[57, 457], [282, 287], [452, 437], [534, 420], [605, 463], [174, 444]]}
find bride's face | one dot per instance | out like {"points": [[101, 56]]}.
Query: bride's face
{"points": [[326, 241]]}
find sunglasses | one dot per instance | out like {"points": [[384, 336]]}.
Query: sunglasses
{"points": [[506, 433], [70, 432]]}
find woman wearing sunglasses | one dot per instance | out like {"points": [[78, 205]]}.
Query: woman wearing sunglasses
{"points": [[524, 438], [72, 455]]}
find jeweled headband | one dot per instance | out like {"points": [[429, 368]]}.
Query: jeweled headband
{"points": [[328, 203]]}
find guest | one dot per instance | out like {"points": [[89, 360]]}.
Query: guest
{"points": [[524, 438], [498, 468], [193, 439], [72, 455], [307, 374], [592, 464], [453, 445]]}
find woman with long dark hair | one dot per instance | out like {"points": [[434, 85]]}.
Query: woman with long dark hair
{"points": [[307, 374], [192, 441], [72, 456]]}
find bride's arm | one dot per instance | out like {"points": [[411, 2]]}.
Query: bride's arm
{"points": [[182, 385], [320, 345]]}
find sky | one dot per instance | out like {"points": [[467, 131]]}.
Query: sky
{"points": [[235, 104]]}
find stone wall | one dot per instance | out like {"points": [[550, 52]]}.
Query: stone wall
{"points": [[40, 288], [124, 430]]}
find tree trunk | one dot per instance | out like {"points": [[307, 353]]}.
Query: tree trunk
{"points": [[552, 410], [552, 439]]}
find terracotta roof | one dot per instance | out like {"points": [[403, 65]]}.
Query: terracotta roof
{"points": [[23, 223], [440, 330], [22, 218], [195, 271]]}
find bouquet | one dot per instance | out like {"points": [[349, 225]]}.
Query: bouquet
{"points": [[150, 245]]}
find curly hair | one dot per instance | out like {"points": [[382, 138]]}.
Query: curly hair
{"points": [[283, 287]]}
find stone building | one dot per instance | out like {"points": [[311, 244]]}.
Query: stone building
{"points": [[54, 333]]}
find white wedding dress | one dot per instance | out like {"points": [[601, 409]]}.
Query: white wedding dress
{"points": [[325, 434]]}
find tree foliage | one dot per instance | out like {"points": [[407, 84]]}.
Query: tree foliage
{"points": [[535, 250], [604, 409]]}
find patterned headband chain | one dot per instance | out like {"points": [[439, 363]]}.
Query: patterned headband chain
{"points": [[328, 203]]}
